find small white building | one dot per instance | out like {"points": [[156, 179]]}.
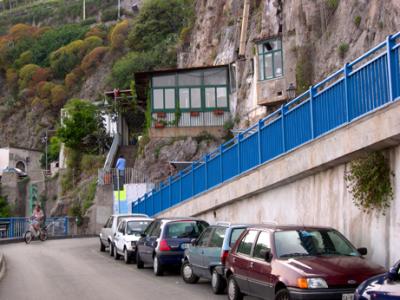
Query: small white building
{"points": [[27, 160]]}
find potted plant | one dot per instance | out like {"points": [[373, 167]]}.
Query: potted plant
{"points": [[161, 114], [194, 113], [218, 112], [159, 125]]}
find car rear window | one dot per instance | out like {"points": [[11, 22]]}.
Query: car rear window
{"points": [[217, 239], [137, 226], [185, 229], [235, 235]]}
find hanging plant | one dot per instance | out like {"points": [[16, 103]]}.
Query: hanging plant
{"points": [[369, 181]]}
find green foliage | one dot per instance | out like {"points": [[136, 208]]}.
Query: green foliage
{"points": [[26, 74], [81, 122], [5, 209], [89, 21], [357, 21], [90, 163], [369, 181], [63, 60], [342, 49], [88, 196], [304, 69], [332, 4], [228, 126], [109, 15], [205, 136]]}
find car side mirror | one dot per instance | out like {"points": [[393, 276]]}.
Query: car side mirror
{"points": [[266, 253], [193, 242], [363, 251]]}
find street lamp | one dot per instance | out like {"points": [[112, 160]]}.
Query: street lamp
{"points": [[291, 91]]}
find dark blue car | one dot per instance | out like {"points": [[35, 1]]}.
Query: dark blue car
{"points": [[381, 287], [165, 240]]}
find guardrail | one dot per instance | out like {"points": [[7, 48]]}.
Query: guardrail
{"points": [[113, 152], [110, 176], [15, 227], [360, 87]]}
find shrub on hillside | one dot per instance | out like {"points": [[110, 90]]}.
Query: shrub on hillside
{"points": [[99, 31], [109, 15], [24, 59], [41, 74], [39, 104], [25, 75], [58, 97], [91, 42], [12, 79], [74, 78], [63, 60], [43, 89], [93, 59], [119, 35]]}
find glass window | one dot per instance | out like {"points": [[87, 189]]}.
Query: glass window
{"points": [[164, 81], [263, 243], [217, 238], [190, 78], [169, 98], [222, 98], [137, 226], [184, 99], [315, 242], [179, 230], [196, 98], [158, 99], [121, 227], [235, 235], [247, 243], [270, 63], [150, 228], [210, 97], [205, 237], [215, 77], [156, 229]]}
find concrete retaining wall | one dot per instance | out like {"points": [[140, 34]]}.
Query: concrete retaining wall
{"points": [[307, 186], [2, 266]]}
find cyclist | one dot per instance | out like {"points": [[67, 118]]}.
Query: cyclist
{"points": [[37, 217]]}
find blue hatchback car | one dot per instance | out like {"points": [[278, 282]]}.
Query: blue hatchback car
{"points": [[164, 241], [381, 287]]}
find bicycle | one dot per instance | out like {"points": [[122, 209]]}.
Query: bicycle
{"points": [[32, 233]]}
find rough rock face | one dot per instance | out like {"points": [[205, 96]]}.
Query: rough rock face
{"points": [[158, 152], [311, 30]]}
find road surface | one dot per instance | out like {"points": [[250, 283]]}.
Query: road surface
{"points": [[76, 269]]}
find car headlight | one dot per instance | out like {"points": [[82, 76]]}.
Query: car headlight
{"points": [[312, 283]]}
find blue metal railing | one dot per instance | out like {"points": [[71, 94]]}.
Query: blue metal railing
{"points": [[15, 227], [367, 83]]}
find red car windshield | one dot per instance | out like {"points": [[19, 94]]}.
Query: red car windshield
{"points": [[291, 243]]}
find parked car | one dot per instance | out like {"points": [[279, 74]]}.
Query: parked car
{"points": [[17, 171], [164, 241], [382, 287], [127, 235], [296, 262], [205, 258], [109, 229]]}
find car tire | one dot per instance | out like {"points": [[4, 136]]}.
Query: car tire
{"points": [[157, 267], [116, 255], [102, 247], [234, 292], [127, 257], [111, 249], [282, 294], [187, 273], [139, 261], [218, 283]]}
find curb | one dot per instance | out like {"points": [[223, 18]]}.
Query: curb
{"points": [[2, 266], [18, 240]]}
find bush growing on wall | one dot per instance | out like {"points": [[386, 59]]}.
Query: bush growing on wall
{"points": [[26, 74], [119, 35], [93, 59]]}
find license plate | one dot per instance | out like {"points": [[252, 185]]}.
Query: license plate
{"points": [[347, 296], [185, 246]]}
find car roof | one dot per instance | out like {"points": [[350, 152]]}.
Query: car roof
{"points": [[179, 219], [137, 219], [277, 227], [130, 215], [229, 225]]}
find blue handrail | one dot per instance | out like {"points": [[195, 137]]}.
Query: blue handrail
{"points": [[361, 86]]}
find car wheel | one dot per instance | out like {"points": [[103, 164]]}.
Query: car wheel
{"points": [[116, 255], [157, 267], [102, 247], [187, 273], [218, 283], [282, 295], [127, 257], [139, 261], [234, 292], [111, 249]]}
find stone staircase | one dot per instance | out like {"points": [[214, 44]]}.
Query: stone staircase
{"points": [[129, 152]]}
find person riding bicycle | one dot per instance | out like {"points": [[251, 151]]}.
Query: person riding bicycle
{"points": [[37, 217]]}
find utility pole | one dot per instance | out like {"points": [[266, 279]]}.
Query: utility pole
{"points": [[84, 10], [119, 9]]}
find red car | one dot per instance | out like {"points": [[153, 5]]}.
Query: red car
{"points": [[296, 262]]}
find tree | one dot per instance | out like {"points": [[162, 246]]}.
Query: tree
{"points": [[5, 209], [81, 126]]}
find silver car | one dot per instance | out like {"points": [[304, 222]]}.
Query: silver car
{"points": [[110, 228], [126, 237]]}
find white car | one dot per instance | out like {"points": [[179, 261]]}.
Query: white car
{"points": [[110, 228], [126, 237]]}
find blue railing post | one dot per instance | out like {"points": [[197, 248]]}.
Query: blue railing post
{"points": [[239, 138], [389, 46], [206, 157], [66, 226], [145, 204], [221, 170], [180, 186], [346, 72], [192, 179], [152, 204], [312, 92], [12, 221], [283, 110], [259, 127]]}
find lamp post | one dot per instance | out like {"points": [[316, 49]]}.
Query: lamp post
{"points": [[84, 10], [291, 91], [119, 9]]}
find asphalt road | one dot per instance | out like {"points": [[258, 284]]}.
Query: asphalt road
{"points": [[76, 269]]}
